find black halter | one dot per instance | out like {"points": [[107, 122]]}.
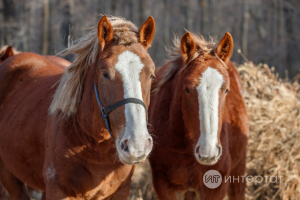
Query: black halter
{"points": [[108, 109]]}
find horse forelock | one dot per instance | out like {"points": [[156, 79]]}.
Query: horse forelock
{"points": [[203, 48], [69, 92]]}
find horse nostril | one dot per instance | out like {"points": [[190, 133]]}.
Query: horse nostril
{"points": [[198, 151], [126, 149], [149, 145], [124, 146]]}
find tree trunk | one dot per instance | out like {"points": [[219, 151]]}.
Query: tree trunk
{"points": [[166, 23], [100, 7], [142, 11], [292, 58], [245, 27], [9, 15], [204, 15], [46, 28], [114, 9], [36, 16], [281, 39], [1, 25]]}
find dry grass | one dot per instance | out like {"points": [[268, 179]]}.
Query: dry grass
{"points": [[273, 107], [274, 145]]}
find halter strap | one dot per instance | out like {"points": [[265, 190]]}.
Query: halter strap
{"points": [[106, 110]]}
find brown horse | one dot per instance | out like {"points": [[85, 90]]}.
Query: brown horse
{"points": [[5, 53], [200, 121], [62, 145], [8, 51]]}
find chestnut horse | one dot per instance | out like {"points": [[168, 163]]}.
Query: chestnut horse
{"points": [[200, 121], [5, 53], [8, 51], [78, 144]]}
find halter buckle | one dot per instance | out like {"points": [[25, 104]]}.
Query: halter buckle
{"points": [[103, 110]]}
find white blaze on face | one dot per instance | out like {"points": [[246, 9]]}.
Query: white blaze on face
{"points": [[129, 65], [208, 96]]}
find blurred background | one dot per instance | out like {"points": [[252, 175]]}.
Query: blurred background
{"points": [[265, 31]]}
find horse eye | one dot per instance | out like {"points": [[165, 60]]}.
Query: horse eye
{"points": [[106, 75], [187, 90], [152, 75], [226, 91]]}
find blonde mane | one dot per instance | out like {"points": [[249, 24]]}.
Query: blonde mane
{"points": [[69, 92], [203, 48]]}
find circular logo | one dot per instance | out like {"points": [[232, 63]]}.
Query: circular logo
{"points": [[212, 179]]}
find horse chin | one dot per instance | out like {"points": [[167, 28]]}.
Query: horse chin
{"points": [[128, 161], [204, 162], [124, 162], [207, 161]]}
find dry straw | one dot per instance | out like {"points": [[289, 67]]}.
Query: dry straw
{"points": [[273, 107]]}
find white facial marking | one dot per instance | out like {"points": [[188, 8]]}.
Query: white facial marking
{"points": [[208, 96], [129, 65]]}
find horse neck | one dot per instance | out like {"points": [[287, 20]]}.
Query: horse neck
{"points": [[89, 115]]}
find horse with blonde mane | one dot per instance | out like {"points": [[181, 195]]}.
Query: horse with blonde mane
{"points": [[77, 132], [200, 123]]}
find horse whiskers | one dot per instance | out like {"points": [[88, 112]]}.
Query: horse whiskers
{"points": [[152, 129], [155, 136]]}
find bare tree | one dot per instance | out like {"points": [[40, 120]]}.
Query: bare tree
{"points": [[46, 27], [245, 26], [204, 14], [142, 10], [166, 15]]}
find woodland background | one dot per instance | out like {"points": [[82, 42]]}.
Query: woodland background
{"points": [[266, 31]]}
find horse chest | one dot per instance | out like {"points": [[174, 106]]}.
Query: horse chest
{"points": [[185, 175], [99, 183]]}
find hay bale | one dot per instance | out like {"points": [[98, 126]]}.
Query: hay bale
{"points": [[273, 107]]}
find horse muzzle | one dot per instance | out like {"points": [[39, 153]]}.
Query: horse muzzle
{"points": [[132, 154], [208, 156]]}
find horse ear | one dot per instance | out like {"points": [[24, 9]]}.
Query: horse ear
{"points": [[146, 32], [105, 32], [187, 46], [225, 47], [8, 53]]}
